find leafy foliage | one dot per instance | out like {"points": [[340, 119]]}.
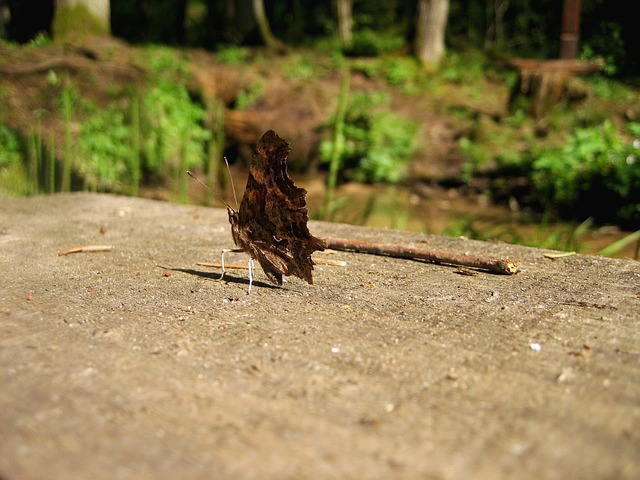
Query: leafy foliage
{"points": [[107, 152], [597, 172], [172, 129], [369, 43], [174, 137], [378, 144], [249, 95], [14, 177], [105, 143], [9, 147], [232, 55]]}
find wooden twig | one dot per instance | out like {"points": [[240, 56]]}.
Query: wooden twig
{"points": [[495, 265], [329, 261], [86, 248], [553, 256], [244, 266], [230, 266]]}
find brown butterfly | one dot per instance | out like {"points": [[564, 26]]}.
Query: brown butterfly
{"points": [[271, 223]]}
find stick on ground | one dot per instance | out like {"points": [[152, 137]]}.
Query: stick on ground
{"points": [[495, 265], [86, 248]]}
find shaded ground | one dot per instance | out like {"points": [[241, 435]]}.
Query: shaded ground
{"points": [[138, 363]]}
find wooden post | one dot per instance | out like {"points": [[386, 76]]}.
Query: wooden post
{"points": [[544, 83], [570, 36]]}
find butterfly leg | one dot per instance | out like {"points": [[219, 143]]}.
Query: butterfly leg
{"points": [[226, 250], [250, 265]]}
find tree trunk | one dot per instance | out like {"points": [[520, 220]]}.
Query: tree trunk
{"points": [[430, 30], [345, 20], [496, 10], [263, 26], [75, 19]]}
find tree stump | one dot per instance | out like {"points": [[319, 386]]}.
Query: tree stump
{"points": [[544, 83]]}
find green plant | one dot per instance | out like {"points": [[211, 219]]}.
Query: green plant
{"points": [[249, 95], [167, 64], [50, 168], [544, 235], [232, 54], [475, 154], [216, 147], [467, 225], [606, 89], [596, 173], [494, 146], [615, 247], [161, 132], [402, 72], [608, 44], [174, 138], [9, 147], [36, 159], [369, 67], [14, 177], [370, 43], [135, 153], [391, 142], [69, 100], [634, 129], [42, 39], [171, 123], [300, 67], [337, 146], [377, 144], [105, 146], [559, 238], [467, 69]]}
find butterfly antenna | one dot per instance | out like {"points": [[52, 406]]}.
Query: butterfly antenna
{"points": [[207, 187], [198, 180], [233, 188]]}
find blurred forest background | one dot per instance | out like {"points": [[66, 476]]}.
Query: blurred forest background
{"points": [[495, 119]]}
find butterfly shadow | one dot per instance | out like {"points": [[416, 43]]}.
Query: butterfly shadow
{"points": [[228, 278]]}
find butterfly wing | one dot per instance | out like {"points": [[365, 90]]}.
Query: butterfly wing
{"points": [[272, 219]]}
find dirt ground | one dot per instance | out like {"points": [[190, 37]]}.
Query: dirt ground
{"points": [[139, 363]]}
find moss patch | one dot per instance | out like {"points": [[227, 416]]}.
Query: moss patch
{"points": [[76, 22]]}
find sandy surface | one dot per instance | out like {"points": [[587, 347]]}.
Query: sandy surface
{"points": [[136, 363]]}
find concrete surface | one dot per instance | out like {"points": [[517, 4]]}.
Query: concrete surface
{"points": [[136, 363]]}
